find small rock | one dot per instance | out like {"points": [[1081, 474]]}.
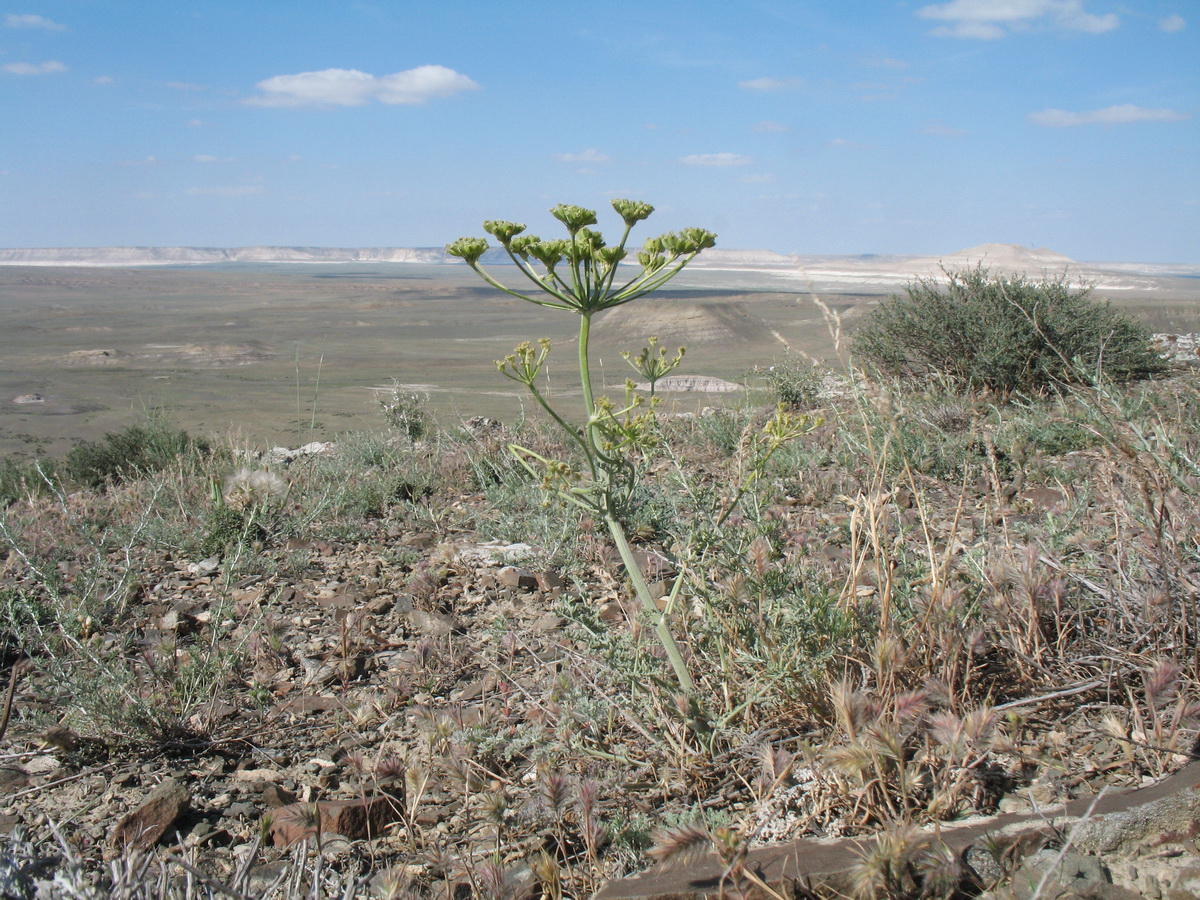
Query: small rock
{"points": [[432, 624], [1068, 871], [551, 582], [142, 828], [517, 578], [1186, 885], [205, 566], [274, 796], [356, 820], [548, 623]]}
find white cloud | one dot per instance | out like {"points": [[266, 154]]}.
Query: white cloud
{"points": [[350, 87], [590, 155], [31, 21], [1172, 23], [769, 127], [46, 68], [1110, 115], [103, 80], [715, 159], [771, 84], [992, 19]]}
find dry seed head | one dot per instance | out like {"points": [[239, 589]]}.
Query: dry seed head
{"points": [[947, 730], [1114, 727], [911, 705], [681, 843], [553, 787], [889, 655], [491, 880], [390, 768], [588, 792], [776, 763], [548, 873], [495, 807], [247, 488], [887, 869], [979, 725], [887, 742], [760, 555], [1161, 681]]}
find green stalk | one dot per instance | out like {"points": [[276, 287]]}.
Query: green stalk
{"points": [[661, 628], [617, 531]]}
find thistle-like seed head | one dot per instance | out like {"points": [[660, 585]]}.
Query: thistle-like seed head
{"points": [[520, 245], [632, 211], [468, 249], [503, 231], [699, 239], [652, 262], [610, 256], [574, 217], [548, 253]]}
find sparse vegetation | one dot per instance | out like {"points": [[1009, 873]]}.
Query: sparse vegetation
{"points": [[933, 605], [1005, 334], [134, 450]]}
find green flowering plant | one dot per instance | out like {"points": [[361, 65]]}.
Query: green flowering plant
{"points": [[583, 274]]}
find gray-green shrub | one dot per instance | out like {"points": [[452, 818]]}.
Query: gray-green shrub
{"points": [[135, 450], [1003, 333]]}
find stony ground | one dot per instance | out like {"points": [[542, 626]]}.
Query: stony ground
{"points": [[438, 711]]}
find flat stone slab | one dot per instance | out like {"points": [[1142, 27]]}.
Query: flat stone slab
{"points": [[1111, 822]]}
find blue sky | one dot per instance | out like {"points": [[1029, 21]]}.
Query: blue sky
{"points": [[787, 125]]}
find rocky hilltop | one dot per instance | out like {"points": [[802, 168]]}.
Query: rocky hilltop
{"points": [[183, 256], [816, 272]]}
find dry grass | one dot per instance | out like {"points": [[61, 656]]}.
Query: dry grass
{"points": [[921, 608]]}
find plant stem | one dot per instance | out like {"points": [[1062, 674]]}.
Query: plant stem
{"points": [[661, 628]]}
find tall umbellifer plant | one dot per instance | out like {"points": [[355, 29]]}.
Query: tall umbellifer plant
{"points": [[580, 274]]}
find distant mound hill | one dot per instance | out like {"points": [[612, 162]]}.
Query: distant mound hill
{"points": [[1009, 258], [687, 322], [182, 256]]}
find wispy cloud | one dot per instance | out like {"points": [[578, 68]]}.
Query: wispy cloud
{"points": [[771, 84], [937, 129], [1172, 23], [845, 144], [30, 21], [992, 19], [590, 155], [50, 67], [350, 87], [104, 80], [715, 159], [236, 190], [1110, 115], [769, 127]]}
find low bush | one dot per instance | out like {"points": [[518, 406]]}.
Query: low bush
{"points": [[135, 450], [1006, 334], [19, 480], [795, 384]]}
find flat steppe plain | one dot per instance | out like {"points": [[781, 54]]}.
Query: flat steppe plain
{"points": [[268, 354]]}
